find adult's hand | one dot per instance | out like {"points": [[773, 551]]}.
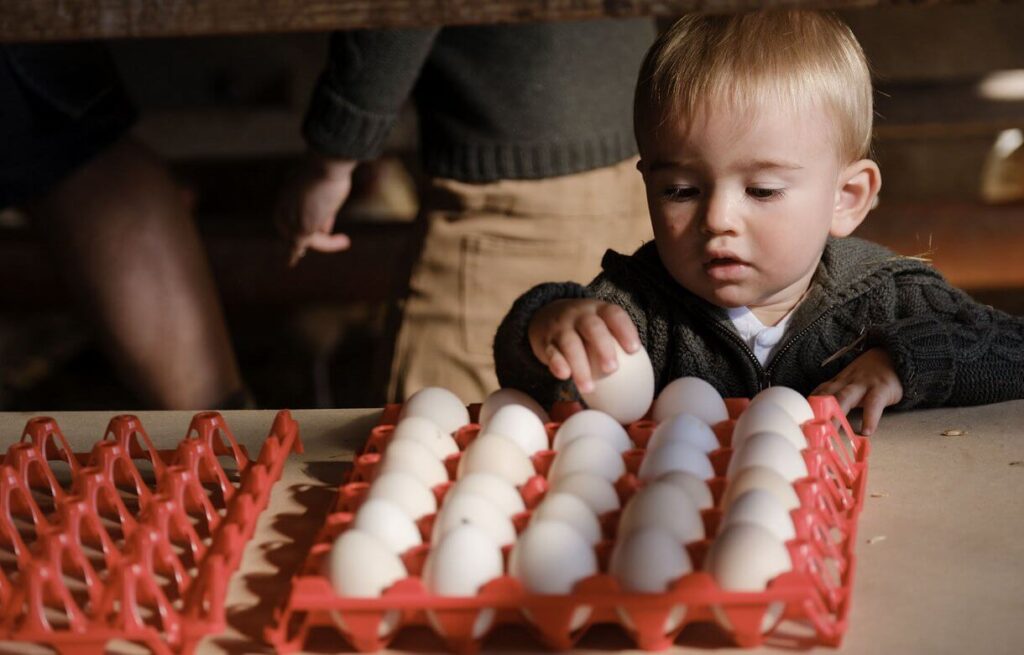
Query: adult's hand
{"points": [[310, 202]]}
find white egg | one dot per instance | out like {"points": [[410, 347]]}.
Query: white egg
{"points": [[767, 417], [388, 522], [572, 511], [588, 454], [493, 488], [788, 399], [475, 510], [406, 491], [426, 433], [464, 561], [690, 395], [761, 477], [648, 561], [762, 508], [746, 557], [439, 405], [359, 565], [626, 393], [502, 397], [666, 505], [694, 487], [598, 493], [416, 459], [675, 456], [591, 422], [685, 427], [550, 557], [520, 425], [497, 455], [772, 451]]}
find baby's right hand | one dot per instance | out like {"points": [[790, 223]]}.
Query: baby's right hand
{"points": [[564, 334]]}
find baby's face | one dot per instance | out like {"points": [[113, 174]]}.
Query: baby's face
{"points": [[741, 208]]}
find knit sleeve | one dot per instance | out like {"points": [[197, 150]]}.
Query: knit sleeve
{"points": [[369, 75], [514, 361], [950, 350]]}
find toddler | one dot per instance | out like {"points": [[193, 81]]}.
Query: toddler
{"points": [[754, 134]]}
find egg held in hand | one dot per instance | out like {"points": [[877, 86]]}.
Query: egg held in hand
{"points": [[626, 393]]}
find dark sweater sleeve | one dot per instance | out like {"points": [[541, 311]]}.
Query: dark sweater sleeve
{"points": [[369, 75], [514, 361], [950, 350]]}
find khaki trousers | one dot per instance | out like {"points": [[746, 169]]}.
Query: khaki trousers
{"points": [[484, 245]]}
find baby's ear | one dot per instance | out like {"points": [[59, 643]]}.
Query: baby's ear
{"points": [[641, 166], [856, 191]]}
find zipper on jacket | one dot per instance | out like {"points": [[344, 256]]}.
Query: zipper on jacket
{"points": [[763, 376], [789, 344]]}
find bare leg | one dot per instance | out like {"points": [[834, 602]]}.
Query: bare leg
{"points": [[123, 232]]}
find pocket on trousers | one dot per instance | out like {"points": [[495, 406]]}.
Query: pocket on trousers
{"points": [[495, 270]]}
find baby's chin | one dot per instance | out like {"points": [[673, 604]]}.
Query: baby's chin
{"points": [[728, 297]]}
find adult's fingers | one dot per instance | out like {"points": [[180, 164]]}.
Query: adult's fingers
{"points": [[621, 326], [319, 242], [298, 251], [323, 242]]}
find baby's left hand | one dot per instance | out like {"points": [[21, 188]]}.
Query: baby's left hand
{"points": [[870, 381]]}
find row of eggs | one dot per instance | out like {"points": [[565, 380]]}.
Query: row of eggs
{"points": [[556, 549]]}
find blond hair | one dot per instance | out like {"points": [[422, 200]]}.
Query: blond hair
{"points": [[749, 60]]}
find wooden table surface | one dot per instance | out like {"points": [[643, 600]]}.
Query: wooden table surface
{"points": [[50, 20], [948, 577]]}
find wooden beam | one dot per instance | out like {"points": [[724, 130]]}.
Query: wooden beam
{"points": [[52, 20]]}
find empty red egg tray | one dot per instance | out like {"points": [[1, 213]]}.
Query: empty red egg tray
{"points": [[816, 593], [128, 542]]}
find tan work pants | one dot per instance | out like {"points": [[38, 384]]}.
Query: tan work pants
{"points": [[485, 244]]}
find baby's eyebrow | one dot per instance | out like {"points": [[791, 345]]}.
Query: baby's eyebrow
{"points": [[767, 164], [751, 166]]}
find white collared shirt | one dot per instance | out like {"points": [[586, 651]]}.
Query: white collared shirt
{"points": [[762, 339]]}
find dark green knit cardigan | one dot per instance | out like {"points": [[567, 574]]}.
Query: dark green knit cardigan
{"points": [[947, 348]]}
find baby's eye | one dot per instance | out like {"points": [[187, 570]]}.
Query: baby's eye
{"points": [[681, 193], [763, 193]]}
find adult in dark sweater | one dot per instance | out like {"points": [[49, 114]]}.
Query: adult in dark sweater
{"points": [[756, 173], [525, 134]]}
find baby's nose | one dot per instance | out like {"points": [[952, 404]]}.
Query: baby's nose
{"points": [[718, 215]]}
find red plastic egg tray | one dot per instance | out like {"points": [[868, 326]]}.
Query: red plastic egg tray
{"points": [[127, 542], [816, 593]]}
